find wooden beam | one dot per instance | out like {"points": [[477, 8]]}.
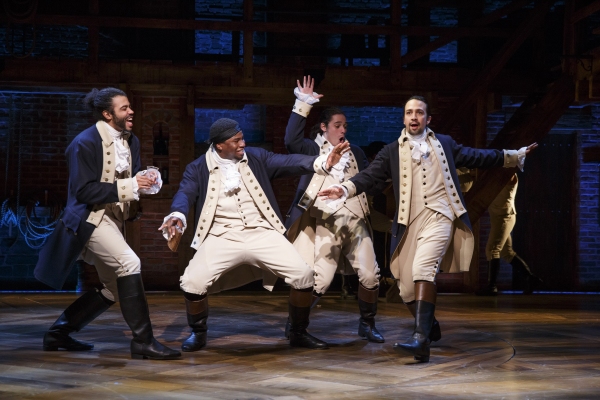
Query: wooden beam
{"points": [[584, 12], [501, 12], [530, 123], [395, 38], [493, 68], [443, 40], [248, 42], [428, 48], [569, 64], [255, 26], [93, 38], [60, 75]]}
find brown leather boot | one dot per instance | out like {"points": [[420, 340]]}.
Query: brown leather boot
{"points": [[299, 309], [197, 314]]}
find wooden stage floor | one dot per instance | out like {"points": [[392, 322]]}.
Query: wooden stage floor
{"points": [[509, 347]]}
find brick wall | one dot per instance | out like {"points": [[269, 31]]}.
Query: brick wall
{"points": [[35, 128], [589, 206]]}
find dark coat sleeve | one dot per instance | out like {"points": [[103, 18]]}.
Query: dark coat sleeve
{"points": [[294, 139], [190, 187], [284, 165], [374, 178], [475, 158]]}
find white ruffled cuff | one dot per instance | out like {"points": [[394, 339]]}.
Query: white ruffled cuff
{"points": [[178, 215], [305, 97], [515, 158]]}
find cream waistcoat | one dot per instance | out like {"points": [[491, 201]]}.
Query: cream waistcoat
{"points": [[262, 206], [109, 175]]}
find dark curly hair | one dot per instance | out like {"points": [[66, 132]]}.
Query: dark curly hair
{"points": [[325, 118], [101, 100]]}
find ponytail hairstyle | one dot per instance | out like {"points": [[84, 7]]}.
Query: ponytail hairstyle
{"points": [[101, 100], [325, 118]]}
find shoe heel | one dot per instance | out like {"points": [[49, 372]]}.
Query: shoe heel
{"points": [[422, 358], [50, 348], [138, 356]]}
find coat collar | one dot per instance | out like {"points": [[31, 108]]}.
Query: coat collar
{"points": [[107, 138], [404, 137], [212, 164]]}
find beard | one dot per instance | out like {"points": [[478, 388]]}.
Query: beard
{"points": [[120, 122]]}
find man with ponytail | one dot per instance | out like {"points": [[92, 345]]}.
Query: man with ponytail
{"points": [[104, 177], [331, 235]]}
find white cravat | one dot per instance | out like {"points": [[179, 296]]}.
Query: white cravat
{"points": [[121, 152], [420, 146], [337, 171], [230, 176]]}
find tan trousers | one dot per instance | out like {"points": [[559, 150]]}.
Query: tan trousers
{"points": [[263, 248], [348, 235], [420, 251], [108, 251], [499, 243]]}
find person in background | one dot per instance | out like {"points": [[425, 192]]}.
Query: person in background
{"points": [[503, 217]]}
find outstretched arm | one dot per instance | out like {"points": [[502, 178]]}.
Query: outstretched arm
{"points": [[294, 139]]}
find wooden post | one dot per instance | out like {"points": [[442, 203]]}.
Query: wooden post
{"points": [[93, 38], [248, 42], [395, 43]]}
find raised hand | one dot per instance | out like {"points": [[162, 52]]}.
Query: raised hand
{"points": [[336, 154], [531, 147], [308, 87]]}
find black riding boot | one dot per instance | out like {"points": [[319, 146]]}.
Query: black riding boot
{"points": [[80, 313], [299, 308], [436, 330], [197, 314], [315, 299], [491, 289], [367, 304], [531, 281], [135, 312], [419, 343]]}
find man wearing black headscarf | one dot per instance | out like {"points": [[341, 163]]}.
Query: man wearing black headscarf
{"points": [[239, 226]]}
